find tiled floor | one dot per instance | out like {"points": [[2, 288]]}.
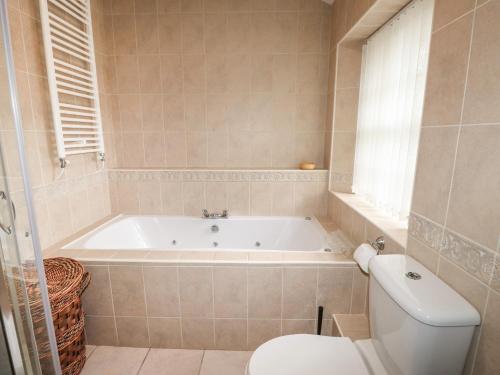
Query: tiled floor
{"points": [[111, 360]]}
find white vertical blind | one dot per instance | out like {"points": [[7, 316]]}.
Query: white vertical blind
{"points": [[390, 109]]}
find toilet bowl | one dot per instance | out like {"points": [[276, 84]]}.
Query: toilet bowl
{"points": [[418, 326], [307, 354]]}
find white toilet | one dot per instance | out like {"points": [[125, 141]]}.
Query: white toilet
{"points": [[419, 326]]}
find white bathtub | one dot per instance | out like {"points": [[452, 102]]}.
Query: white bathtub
{"points": [[238, 233]]}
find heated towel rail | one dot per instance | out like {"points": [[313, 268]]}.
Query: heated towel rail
{"points": [[72, 77]]}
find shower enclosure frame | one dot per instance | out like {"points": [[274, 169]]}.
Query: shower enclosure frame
{"points": [[38, 257]]}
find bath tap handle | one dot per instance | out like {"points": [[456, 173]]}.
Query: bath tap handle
{"points": [[205, 213]]}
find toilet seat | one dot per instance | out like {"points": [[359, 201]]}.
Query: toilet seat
{"points": [[307, 354]]}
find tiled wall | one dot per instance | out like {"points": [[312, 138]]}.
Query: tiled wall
{"points": [[345, 13], [224, 307], [455, 222], [188, 192], [210, 83], [351, 217], [64, 204], [353, 21]]}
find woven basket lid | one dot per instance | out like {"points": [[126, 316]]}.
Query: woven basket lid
{"points": [[64, 277]]}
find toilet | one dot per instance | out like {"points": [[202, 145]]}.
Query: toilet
{"points": [[418, 326]]}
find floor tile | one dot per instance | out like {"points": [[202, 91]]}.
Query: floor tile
{"points": [[89, 349], [172, 362], [217, 362], [112, 360]]}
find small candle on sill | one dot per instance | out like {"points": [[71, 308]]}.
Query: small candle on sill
{"points": [[307, 166]]}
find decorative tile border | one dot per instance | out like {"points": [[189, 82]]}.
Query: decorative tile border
{"points": [[425, 231], [495, 280], [475, 259], [218, 175], [341, 178]]}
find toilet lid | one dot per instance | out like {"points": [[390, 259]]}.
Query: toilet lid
{"points": [[305, 355]]}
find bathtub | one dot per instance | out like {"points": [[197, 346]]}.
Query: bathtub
{"points": [[237, 233]]}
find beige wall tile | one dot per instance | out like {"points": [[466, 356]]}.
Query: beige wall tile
{"points": [[298, 326], [483, 91], [349, 65], [128, 290], [198, 333], [264, 292], [446, 11], [343, 152], [170, 33], [299, 293], [309, 32], [359, 292], [446, 73], [171, 74], [346, 109], [165, 333], [132, 332], [487, 360], [150, 197], [260, 198], [358, 229], [346, 213], [471, 289], [334, 290], [231, 334], [283, 198], [230, 292], [495, 280], [261, 331], [127, 74], [33, 45], [196, 292], [238, 198], [97, 298], [216, 196], [197, 144], [424, 254], [122, 6], [176, 148], [124, 34], [169, 6], [147, 33], [193, 49], [194, 197], [100, 330], [162, 291], [192, 33], [475, 186], [149, 71], [145, 6], [434, 172]]}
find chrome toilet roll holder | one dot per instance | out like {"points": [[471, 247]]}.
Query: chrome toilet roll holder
{"points": [[378, 244]]}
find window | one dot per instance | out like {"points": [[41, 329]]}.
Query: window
{"points": [[391, 96]]}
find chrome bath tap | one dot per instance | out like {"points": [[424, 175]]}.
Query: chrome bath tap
{"points": [[215, 215]]}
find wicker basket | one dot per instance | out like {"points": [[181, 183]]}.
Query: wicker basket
{"points": [[66, 281]]}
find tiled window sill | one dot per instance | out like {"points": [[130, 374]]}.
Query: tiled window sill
{"points": [[395, 229]]}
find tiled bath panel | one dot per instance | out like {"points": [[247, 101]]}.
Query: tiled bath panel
{"points": [[211, 306]]}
